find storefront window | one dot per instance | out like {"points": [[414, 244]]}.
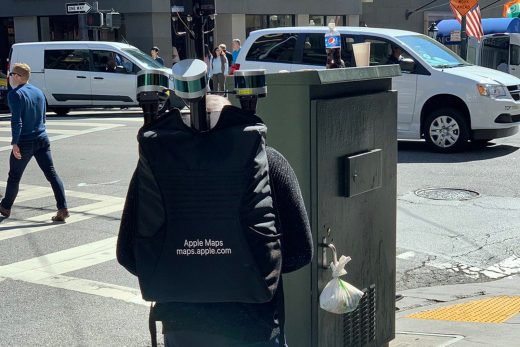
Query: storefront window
{"points": [[68, 28], [325, 20], [262, 21], [59, 28]]}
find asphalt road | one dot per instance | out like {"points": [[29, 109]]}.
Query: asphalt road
{"points": [[59, 283], [61, 286], [450, 240]]}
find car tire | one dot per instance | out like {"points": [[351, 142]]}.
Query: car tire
{"points": [[446, 130], [61, 111]]}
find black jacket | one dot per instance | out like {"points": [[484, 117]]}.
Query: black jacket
{"points": [[239, 323]]}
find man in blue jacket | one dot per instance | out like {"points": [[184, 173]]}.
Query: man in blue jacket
{"points": [[29, 138]]}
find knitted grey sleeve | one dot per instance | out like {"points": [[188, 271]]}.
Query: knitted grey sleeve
{"points": [[293, 222]]}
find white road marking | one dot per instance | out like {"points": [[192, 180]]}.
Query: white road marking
{"points": [[406, 255], [104, 205], [83, 184], [507, 267], [13, 229], [28, 191], [51, 131], [62, 133], [48, 269]]}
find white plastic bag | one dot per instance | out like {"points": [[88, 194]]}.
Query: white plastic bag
{"points": [[339, 296]]}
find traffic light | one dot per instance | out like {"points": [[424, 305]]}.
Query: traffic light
{"points": [[113, 20], [95, 19]]}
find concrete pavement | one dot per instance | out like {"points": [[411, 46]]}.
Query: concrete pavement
{"points": [[476, 314]]}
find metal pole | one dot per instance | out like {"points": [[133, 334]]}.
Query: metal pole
{"points": [[463, 39], [95, 32], [199, 117], [83, 30]]}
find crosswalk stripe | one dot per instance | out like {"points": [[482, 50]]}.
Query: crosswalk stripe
{"points": [[26, 190], [102, 289], [73, 123], [31, 194], [48, 269], [50, 131], [77, 214], [68, 260], [62, 134]]}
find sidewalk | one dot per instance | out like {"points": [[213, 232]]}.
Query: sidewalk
{"points": [[466, 315]]}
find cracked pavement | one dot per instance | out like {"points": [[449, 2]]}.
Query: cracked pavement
{"points": [[443, 242]]}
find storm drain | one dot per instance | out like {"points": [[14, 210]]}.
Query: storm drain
{"points": [[453, 194], [492, 310]]}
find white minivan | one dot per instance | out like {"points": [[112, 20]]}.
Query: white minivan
{"points": [[85, 74], [441, 97]]}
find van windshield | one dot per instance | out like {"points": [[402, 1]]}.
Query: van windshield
{"points": [[433, 52], [143, 58]]}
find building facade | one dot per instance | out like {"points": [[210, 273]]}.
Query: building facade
{"points": [[149, 23], [417, 15]]}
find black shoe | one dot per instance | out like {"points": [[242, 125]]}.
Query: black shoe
{"points": [[5, 212]]}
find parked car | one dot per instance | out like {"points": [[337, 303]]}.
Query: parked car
{"points": [[86, 74], [441, 97]]}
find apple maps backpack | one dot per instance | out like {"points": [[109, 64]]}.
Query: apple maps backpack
{"points": [[205, 220]]}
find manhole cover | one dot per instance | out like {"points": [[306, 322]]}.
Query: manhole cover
{"points": [[447, 194]]}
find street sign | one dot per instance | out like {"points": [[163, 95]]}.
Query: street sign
{"points": [[78, 8], [463, 6], [455, 36]]}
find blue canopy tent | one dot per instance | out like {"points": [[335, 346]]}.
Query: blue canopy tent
{"points": [[489, 26]]}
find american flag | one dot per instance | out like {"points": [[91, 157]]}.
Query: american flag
{"points": [[473, 21]]}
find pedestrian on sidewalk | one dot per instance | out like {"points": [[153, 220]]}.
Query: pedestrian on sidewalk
{"points": [[155, 55], [29, 138], [236, 50], [229, 56], [219, 70]]}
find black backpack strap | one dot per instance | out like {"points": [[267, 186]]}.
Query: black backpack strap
{"points": [[152, 326]]}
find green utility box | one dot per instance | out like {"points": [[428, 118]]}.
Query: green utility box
{"points": [[338, 130]]}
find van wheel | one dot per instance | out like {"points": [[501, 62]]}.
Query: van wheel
{"points": [[446, 130], [61, 111]]}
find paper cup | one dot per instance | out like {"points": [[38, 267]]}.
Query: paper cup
{"points": [[362, 53]]}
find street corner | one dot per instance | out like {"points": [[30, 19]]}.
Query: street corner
{"points": [[417, 339], [494, 309]]}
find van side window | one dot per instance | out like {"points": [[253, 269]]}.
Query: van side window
{"points": [[67, 59], [514, 51], [314, 50], [380, 51], [108, 61], [273, 48], [347, 52]]}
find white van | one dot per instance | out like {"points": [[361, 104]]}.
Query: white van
{"points": [[441, 97], [78, 74], [496, 51]]}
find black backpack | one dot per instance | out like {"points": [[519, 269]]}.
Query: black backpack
{"points": [[206, 225]]}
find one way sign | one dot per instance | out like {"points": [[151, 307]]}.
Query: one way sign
{"points": [[78, 8]]}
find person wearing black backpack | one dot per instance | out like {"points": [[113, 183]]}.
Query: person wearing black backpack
{"points": [[204, 296]]}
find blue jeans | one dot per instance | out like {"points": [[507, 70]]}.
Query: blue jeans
{"points": [[41, 150]]}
